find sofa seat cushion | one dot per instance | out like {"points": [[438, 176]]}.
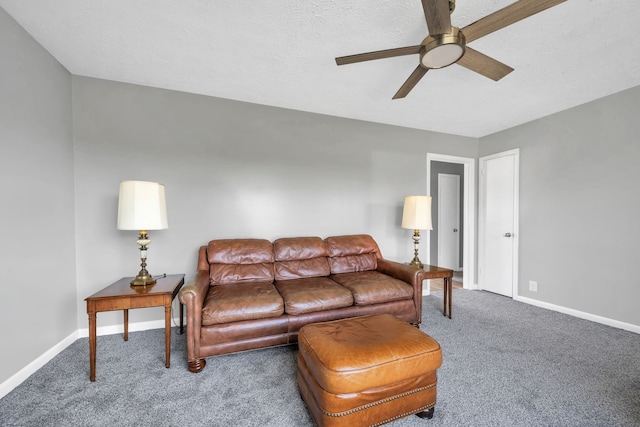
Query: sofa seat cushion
{"points": [[313, 294], [300, 257], [373, 287], [241, 301]]}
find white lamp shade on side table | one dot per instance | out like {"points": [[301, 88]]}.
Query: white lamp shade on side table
{"points": [[142, 206], [416, 214]]}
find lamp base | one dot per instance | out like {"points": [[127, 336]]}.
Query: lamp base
{"points": [[416, 240], [143, 280], [416, 262]]}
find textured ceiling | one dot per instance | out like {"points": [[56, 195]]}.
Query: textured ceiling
{"points": [[281, 53]]}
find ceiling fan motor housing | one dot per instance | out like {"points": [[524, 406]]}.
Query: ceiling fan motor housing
{"points": [[442, 50]]}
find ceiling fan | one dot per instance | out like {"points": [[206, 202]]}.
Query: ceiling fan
{"points": [[446, 44]]}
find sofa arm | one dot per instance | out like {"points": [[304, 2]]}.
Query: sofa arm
{"points": [[414, 276], [192, 296]]}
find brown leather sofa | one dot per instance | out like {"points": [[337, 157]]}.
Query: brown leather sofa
{"points": [[253, 293]]}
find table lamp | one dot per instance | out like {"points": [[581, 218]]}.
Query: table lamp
{"points": [[142, 206], [416, 216]]}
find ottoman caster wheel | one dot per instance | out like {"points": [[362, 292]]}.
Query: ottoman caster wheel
{"points": [[428, 414]]}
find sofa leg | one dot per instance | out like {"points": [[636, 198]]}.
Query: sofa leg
{"points": [[197, 365], [428, 414]]}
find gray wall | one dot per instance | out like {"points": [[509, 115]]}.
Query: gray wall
{"points": [[579, 205], [37, 254], [234, 169], [451, 169]]}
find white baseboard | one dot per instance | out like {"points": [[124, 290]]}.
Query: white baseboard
{"points": [[580, 314], [24, 373], [571, 312], [19, 377], [426, 287], [133, 327]]}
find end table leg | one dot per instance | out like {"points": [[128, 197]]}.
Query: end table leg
{"points": [[181, 317], [450, 291], [167, 333], [126, 324], [92, 347], [445, 295]]}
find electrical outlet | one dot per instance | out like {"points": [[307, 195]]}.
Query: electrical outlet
{"points": [[533, 286]]}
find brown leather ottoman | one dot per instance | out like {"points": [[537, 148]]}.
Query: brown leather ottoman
{"points": [[367, 371]]}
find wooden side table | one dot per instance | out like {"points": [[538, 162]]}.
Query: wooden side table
{"points": [[122, 296], [434, 272]]}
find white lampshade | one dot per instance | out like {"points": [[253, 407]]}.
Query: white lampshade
{"points": [[417, 213], [142, 206]]}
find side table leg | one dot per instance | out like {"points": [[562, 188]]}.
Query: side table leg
{"points": [[181, 316], [167, 333], [445, 296], [92, 347], [126, 324], [450, 292]]}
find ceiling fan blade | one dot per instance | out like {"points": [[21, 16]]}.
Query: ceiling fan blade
{"points": [[379, 54], [413, 80], [506, 16], [438, 16], [482, 64]]}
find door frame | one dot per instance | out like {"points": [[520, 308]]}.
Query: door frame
{"points": [[516, 215], [468, 214], [440, 229]]}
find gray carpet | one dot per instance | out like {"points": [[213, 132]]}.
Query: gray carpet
{"points": [[505, 364]]}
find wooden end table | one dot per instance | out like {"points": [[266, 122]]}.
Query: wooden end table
{"points": [[434, 272], [122, 296]]}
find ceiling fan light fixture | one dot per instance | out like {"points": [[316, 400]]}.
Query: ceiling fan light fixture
{"points": [[442, 50]]}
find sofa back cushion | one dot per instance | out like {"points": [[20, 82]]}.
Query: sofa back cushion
{"points": [[240, 260], [352, 253], [300, 257]]}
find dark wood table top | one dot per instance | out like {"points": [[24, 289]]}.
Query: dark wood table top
{"points": [[435, 272], [123, 288]]}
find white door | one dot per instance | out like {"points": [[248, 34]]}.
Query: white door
{"points": [[499, 222], [449, 221]]}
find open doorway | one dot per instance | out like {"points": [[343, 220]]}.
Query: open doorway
{"points": [[443, 166]]}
